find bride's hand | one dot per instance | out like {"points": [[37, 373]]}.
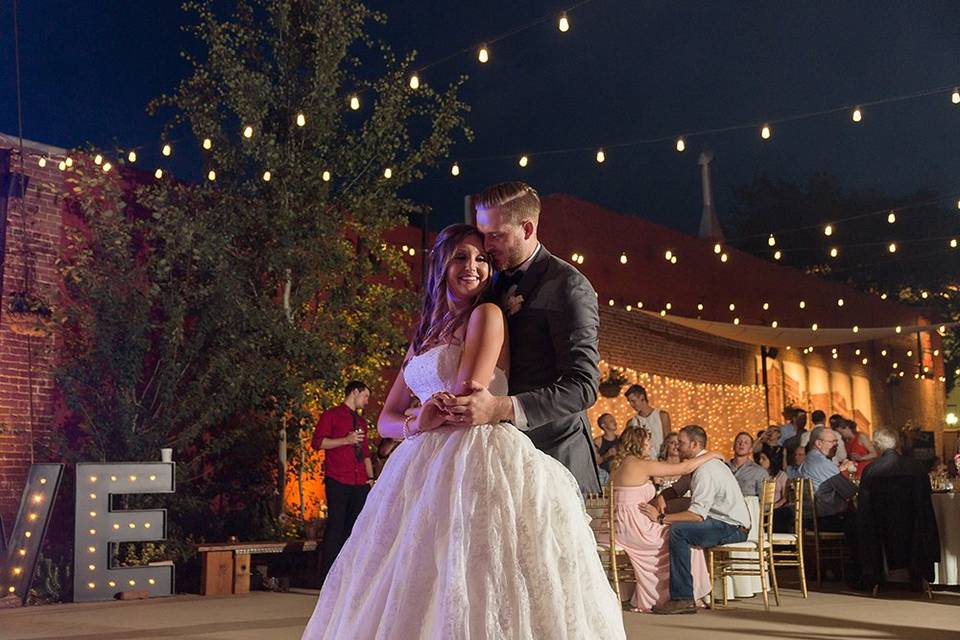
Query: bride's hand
{"points": [[432, 415]]}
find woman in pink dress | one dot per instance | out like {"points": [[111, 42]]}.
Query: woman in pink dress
{"points": [[646, 542]]}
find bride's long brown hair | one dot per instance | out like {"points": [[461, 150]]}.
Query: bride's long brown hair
{"points": [[438, 322]]}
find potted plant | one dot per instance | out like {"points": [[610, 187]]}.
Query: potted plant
{"points": [[611, 385], [28, 315]]}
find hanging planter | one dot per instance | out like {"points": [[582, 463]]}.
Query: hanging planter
{"points": [[611, 385], [27, 315]]}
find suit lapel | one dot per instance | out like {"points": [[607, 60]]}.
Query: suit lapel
{"points": [[534, 273]]}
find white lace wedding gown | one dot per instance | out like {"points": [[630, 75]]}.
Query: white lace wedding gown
{"points": [[469, 534]]}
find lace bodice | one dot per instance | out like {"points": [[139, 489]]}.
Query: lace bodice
{"points": [[436, 370]]}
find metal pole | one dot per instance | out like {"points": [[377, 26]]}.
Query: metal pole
{"points": [[766, 386]]}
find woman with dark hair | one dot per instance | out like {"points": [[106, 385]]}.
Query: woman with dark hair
{"points": [[470, 532], [859, 447]]}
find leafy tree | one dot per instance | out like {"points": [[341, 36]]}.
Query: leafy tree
{"points": [[922, 271], [212, 316]]}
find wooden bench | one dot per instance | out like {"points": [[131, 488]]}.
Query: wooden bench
{"points": [[225, 567]]}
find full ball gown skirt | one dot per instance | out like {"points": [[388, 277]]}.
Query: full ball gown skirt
{"points": [[647, 544], [469, 534]]}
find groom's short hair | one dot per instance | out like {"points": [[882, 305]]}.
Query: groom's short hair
{"points": [[697, 433], [518, 199]]}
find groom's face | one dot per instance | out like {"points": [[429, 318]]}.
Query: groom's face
{"points": [[503, 239]]}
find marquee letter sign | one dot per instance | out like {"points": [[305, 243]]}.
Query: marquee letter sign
{"points": [[36, 502], [99, 528]]}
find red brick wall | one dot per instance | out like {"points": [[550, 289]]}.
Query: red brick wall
{"points": [[26, 363]]}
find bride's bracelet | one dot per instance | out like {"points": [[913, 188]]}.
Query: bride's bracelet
{"points": [[405, 428]]}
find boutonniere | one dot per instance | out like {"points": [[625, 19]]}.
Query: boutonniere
{"points": [[512, 304]]}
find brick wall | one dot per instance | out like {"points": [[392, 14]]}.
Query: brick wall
{"points": [[26, 363]]}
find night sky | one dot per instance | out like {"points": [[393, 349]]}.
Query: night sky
{"points": [[626, 70]]}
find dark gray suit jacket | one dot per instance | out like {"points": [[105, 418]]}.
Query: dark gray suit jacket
{"points": [[554, 362]]}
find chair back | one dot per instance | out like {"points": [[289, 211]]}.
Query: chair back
{"points": [[768, 499], [797, 488], [600, 509], [811, 498]]}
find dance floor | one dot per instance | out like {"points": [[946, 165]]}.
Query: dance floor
{"points": [[276, 616]]}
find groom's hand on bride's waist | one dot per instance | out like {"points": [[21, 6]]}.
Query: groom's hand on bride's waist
{"points": [[479, 406]]}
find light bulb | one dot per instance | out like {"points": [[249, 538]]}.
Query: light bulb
{"points": [[611, 302], [158, 174], [132, 156], [765, 132], [301, 120], [167, 150], [564, 24], [700, 307], [326, 176], [828, 230], [43, 162], [717, 248], [814, 326], [898, 329], [891, 217], [673, 260], [207, 143], [772, 241], [388, 173], [98, 159], [354, 102], [601, 156], [732, 307], [736, 321], [483, 55], [211, 175], [803, 304], [414, 82], [839, 302], [266, 176], [857, 115], [623, 258], [106, 167], [953, 243], [668, 254], [248, 132], [892, 247], [681, 145], [774, 324], [68, 161], [777, 254], [62, 166], [523, 161], [723, 257], [955, 97], [766, 305], [856, 329], [455, 169]]}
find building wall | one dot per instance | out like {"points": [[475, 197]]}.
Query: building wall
{"points": [[26, 363]]}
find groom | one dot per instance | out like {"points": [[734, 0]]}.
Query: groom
{"points": [[553, 320]]}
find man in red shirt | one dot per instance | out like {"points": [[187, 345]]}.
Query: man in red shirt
{"points": [[348, 474]]}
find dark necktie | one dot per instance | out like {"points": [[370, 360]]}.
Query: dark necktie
{"points": [[506, 280]]}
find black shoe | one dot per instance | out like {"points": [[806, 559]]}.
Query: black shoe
{"points": [[674, 607]]}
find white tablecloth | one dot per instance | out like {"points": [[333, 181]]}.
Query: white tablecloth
{"points": [[946, 506], [743, 586]]}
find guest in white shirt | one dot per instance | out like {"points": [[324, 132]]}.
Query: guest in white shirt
{"points": [[717, 515], [820, 420], [654, 420]]}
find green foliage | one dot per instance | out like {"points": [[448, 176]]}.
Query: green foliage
{"points": [[51, 581], [923, 263], [212, 317]]}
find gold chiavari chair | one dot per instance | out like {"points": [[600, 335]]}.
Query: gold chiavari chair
{"points": [[788, 547], [722, 562], [827, 545], [615, 561]]}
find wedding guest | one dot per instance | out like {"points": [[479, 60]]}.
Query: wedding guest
{"points": [[606, 445], [832, 489], [654, 420], [644, 540], [669, 452], [750, 476], [793, 430], [768, 442], [795, 458], [717, 515], [859, 447], [835, 420], [782, 509], [890, 462], [348, 471]]}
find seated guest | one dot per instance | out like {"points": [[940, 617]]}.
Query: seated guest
{"points": [[750, 476], [768, 442], [890, 462], [859, 447], [835, 419], [782, 512], [606, 445], [795, 458], [668, 453], [645, 541], [832, 489], [717, 515], [793, 431]]}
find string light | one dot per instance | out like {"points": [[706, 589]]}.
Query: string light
{"points": [[388, 173], [828, 230], [68, 161], [834, 252], [772, 241], [953, 243], [681, 145], [777, 254], [668, 254], [839, 302], [736, 321], [211, 175], [207, 144], [717, 248], [266, 176], [166, 150], [899, 329], [883, 352], [564, 24], [892, 247], [106, 167], [42, 162], [301, 120], [248, 132], [483, 55], [455, 169], [856, 329], [524, 161], [955, 96], [62, 166], [891, 217], [414, 82], [601, 157], [354, 102], [766, 306], [158, 174], [774, 324], [765, 132], [700, 306], [857, 115], [732, 307], [814, 326], [723, 257], [623, 258], [132, 156], [98, 159], [803, 304], [326, 176]]}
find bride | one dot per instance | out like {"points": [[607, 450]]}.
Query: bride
{"points": [[470, 533]]}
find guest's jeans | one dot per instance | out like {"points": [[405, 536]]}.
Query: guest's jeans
{"points": [[683, 536], [344, 504]]}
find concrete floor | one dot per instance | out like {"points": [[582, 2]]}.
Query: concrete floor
{"points": [[276, 616]]}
